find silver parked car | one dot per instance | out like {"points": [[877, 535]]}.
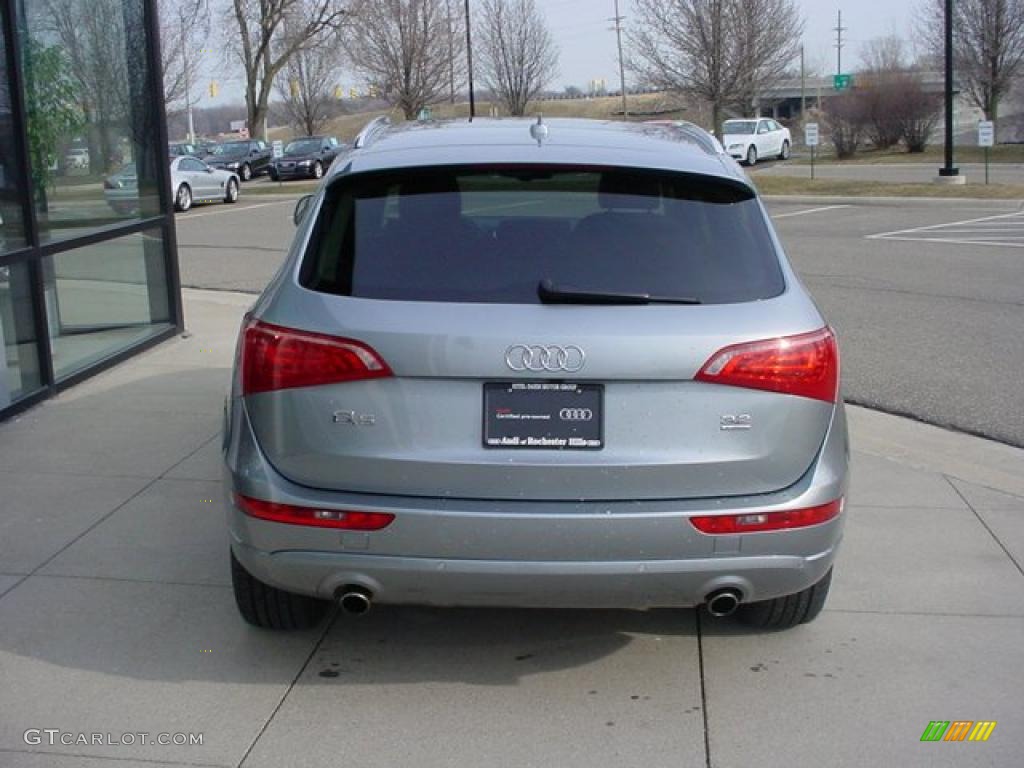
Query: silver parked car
{"points": [[560, 364], [193, 181]]}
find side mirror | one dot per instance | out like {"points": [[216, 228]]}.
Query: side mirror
{"points": [[301, 208], [209, 169]]}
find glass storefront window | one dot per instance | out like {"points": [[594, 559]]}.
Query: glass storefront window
{"points": [[103, 298], [91, 118], [12, 232], [19, 357]]}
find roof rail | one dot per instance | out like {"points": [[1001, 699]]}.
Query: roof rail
{"points": [[370, 131], [701, 136]]}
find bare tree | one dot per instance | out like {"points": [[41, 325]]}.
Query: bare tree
{"points": [[518, 57], [884, 55], [257, 38], [917, 112], [988, 46], [184, 29], [306, 85], [722, 51], [846, 122], [403, 49], [92, 34]]}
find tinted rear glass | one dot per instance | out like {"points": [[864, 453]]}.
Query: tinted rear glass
{"points": [[478, 235]]}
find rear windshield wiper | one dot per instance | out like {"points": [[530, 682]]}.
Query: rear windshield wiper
{"points": [[549, 293]]}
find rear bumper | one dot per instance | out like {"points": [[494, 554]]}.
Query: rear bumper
{"points": [[441, 551], [529, 583], [303, 173]]}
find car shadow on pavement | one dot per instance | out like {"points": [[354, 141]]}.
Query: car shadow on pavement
{"points": [[484, 646]]}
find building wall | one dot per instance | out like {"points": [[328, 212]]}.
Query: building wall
{"points": [[88, 271]]}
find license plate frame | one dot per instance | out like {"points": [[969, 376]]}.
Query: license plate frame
{"points": [[543, 415]]}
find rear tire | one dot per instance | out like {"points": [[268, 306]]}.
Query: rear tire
{"points": [[271, 608], [751, 155], [183, 198], [788, 611]]}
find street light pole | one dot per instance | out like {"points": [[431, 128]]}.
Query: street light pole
{"points": [[469, 61], [622, 66], [949, 170], [187, 66]]}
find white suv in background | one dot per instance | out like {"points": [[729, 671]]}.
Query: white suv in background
{"points": [[755, 138]]}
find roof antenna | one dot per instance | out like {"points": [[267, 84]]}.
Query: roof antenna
{"points": [[538, 130]]}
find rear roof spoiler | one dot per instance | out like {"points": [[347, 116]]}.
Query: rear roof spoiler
{"points": [[371, 131]]}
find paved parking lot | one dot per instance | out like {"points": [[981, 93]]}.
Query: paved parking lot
{"points": [[116, 617], [930, 328]]}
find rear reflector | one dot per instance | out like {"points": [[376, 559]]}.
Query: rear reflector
{"points": [[274, 358], [806, 365], [754, 522], [311, 516]]}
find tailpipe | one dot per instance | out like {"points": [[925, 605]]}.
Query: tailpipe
{"points": [[354, 600], [723, 602]]}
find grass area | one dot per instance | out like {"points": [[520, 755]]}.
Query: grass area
{"points": [[347, 127], [1005, 153], [297, 188], [789, 185]]}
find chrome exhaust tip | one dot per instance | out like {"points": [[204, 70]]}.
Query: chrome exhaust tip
{"points": [[723, 602], [355, 601]]}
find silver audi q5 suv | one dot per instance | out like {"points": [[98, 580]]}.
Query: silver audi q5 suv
{"points": [[550, 363]]}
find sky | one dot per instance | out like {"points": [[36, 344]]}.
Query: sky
{"points": [[588, 49], [582, 30]]}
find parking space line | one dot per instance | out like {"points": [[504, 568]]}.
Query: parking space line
{"points": [[232, 209], [1004, 230], [811, 210], [950, 241]]}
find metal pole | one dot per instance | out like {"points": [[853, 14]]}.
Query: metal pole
{"points": [[469, 60], [803, 85], [622, 66], [187, 65], [949, 169], [451, 53], [839, 44]]}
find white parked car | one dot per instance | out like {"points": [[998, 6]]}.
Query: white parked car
{"points": [[77, 157], [755, 139]]}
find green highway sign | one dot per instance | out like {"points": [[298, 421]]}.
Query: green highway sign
{"points": [[842, 82]]}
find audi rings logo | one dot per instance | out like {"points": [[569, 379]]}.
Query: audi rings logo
{"points": [[576, 414], [538, 359]]}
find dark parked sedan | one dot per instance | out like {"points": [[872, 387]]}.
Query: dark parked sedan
{"points": [[247, 158], [306, 158]]}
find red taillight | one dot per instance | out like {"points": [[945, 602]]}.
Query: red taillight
{"points": [[312, 516], [274, 357], [806, 365], [753, 522]]}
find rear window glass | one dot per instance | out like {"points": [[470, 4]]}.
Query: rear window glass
{"points": [[493, 235]]}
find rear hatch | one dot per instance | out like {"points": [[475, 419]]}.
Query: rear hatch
{"points": [[540, 333]]}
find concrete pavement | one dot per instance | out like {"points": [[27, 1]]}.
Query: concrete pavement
{"points": [[116, 617]]}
